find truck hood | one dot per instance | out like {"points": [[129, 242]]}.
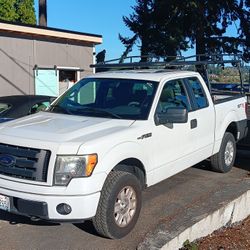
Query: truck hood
{"points": [[60, 128]]}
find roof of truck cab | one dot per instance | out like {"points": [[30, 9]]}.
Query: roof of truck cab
{"points": [[148, 74]]}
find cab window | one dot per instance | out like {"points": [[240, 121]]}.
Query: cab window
{"points": [[173, 95], [197, 92]]}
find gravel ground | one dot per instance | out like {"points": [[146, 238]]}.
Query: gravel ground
{"points": [[233, 238]]}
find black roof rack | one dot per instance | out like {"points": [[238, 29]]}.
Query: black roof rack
{"points": [[173, 62], [138, 62]]}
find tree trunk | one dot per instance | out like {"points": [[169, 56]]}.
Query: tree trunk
{"points": [[201, 43], [144, 50], [200, 33], [43, 13]]}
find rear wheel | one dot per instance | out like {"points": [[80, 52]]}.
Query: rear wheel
{"points": [[223, 161], [119, 205]]}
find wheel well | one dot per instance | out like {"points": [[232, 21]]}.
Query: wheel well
{"points": [[134, 166], [232, 128]]}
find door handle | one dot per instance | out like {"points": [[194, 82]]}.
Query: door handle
{"points": [[193, 123]]}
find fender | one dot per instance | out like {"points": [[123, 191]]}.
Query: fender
{"points": [[220, 129], [121, 152]]}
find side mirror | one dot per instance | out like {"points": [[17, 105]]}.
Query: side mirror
{"points": [[172, 115]]}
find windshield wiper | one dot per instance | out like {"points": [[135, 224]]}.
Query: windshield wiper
{"points": [[101, 111]]}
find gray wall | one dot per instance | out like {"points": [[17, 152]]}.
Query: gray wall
{"points": [[19, 55]]}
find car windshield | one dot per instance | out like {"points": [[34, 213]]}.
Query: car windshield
{"points": [[4, 107], [114, 98]]}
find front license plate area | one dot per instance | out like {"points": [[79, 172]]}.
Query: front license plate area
{"points": [[4, 202]]}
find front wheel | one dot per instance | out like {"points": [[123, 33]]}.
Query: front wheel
{"points": [[119, 205], [223, 161]]}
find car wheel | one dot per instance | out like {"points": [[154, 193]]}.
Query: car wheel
{"points": [[119, 205], [223, 161]]}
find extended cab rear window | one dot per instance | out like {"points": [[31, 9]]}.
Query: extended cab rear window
{"points": [[199, 96]]}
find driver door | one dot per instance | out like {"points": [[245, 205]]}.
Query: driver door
{"points": [[172, 142]]}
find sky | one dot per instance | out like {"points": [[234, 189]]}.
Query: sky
{"points": [[101, 17]]}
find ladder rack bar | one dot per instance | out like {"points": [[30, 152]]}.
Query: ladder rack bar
{"points": [[136, 65]]}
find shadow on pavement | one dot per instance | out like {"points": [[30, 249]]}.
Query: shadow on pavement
{"points": [[18, 219], [87, 227], [242, 160], [14, 219], [204, 165]]}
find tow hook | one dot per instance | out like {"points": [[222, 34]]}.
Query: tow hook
{"points": [[34, 218]]}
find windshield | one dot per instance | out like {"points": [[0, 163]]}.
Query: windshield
{"points": [[114, 98], [4, 107]]}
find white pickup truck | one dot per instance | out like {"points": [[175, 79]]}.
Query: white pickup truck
{"points": [[90, 155]]}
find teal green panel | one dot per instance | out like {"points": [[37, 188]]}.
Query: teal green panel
{"points": [[46, 82]]}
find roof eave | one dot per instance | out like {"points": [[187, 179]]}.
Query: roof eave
{"points": [[48, 32]]}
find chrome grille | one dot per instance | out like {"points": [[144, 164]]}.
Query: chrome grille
{"points": [[24, 163]]}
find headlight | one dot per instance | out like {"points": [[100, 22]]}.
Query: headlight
{"points": [[68, 167]]}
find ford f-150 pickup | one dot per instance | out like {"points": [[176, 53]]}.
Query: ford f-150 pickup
{"points": [[112, 134]]}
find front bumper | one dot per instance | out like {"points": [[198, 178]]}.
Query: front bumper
{"points": [[34, 200], [44, 207]]}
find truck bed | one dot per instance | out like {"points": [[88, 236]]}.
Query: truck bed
{"points": [[225, 96]]}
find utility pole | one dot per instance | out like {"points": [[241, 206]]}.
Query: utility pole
{"points": [[43, 13]]}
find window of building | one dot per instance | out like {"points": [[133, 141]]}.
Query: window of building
{"points": [[67, 78]]}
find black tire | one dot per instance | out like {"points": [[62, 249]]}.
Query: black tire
{"points": [[223, 161], [105, 220]]}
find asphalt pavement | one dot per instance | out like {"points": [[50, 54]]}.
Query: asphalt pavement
{"points": [[162, 204]]}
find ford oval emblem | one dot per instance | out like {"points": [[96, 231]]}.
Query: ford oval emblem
{"points": [[7, 160]]}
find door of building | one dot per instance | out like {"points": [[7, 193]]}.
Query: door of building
{"points": [[46, 82]]}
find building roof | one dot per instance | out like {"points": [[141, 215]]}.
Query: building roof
{"points": [[39, 31]]}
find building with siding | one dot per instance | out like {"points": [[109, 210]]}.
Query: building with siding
{"points": [[39, 60]]}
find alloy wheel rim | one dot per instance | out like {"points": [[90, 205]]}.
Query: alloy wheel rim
{"points": [[125, 206], [229, 153]]}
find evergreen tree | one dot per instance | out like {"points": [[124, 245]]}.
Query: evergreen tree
{"points": [[21, 11], [206, 24], [158, 31], [170, 37], [141, 23], [129, 43], [174, 25], [8, 10], [25, 11]]}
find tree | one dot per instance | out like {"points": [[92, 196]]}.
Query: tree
{"points": [[8, 10], [206, 24], [155, 30], [169, 26], [21, 11], [141, 23], [129, 43], [25, 11], [169, 21]]}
